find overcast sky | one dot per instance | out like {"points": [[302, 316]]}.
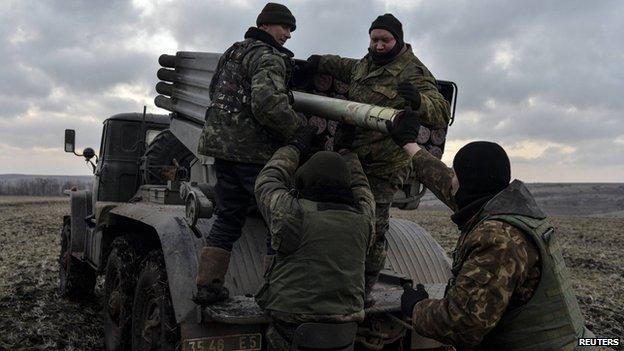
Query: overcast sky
{"points": [[543, 78]]}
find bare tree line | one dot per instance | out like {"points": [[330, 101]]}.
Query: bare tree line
{"points": [[40, 186]]}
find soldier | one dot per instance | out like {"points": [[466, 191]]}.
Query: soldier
{"points": [[510, 288], [316, 213], [390, 75], [249, 117]]}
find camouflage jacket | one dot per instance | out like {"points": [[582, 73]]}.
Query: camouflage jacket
{"points": [[500, 268], [288, 286], [369, 84], [252, 132]]}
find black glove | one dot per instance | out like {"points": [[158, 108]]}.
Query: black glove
{"points": [[411, 297], [345, 135], [303, 138], [410, 93], [404, 128]]}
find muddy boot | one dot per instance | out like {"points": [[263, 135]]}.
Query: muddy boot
{"points": [[212, 266]]}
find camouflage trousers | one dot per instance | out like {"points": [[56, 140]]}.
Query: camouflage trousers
{"points": [[376, 257], [383, 188]]}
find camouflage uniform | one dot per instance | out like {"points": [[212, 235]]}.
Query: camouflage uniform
{"points": [[249, 117], [386, 165], [310, 239], [496, 268]]}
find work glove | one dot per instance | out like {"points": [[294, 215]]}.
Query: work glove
{"points": [[345, 135], [411, 297], [404, 128], [303, 137], [409, 92]]}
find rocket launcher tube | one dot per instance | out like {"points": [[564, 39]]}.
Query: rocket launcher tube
{"points": [[362, 115]]}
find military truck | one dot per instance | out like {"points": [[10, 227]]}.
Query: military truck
{"points": [[144, 222]]}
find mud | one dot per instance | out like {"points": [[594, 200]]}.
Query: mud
{"points": [[34, 317]]}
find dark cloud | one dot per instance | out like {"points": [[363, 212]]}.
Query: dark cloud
{"points": [[546, 73]]}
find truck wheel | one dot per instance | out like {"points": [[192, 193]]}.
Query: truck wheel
{"points": [[119, 294], [153, 321], [76, 279], [159, 156]]}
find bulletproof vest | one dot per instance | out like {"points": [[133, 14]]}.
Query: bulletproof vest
{"points": [[230, 88], [319, 270], [551, 319]]}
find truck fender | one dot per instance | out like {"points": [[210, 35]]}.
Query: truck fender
{"points": [[413, 252], [81, 208], [179, 247]]}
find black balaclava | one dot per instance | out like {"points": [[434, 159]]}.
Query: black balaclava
{"points": [[394, 26], [483, 170], [325, 177]]}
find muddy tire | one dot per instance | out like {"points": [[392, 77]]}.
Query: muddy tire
{"points": [[119, 294], [76, 279], [159, 157], [153, 321]]}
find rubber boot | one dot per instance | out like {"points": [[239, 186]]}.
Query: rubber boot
{"points": [[212, 267]]}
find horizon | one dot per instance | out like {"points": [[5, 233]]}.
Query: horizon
{"points": [[91, 175]]}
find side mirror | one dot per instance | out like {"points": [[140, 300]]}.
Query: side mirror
{"points": [[70, 140]]}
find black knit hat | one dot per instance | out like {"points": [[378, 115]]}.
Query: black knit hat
{"points": [[389, 23], [324, 169], [273, 13], [482, 168]]}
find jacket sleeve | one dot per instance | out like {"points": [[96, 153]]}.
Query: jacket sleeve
{"points": [[280, 209], [270, 102], [340, 68], [436, 177], [359, 185], [496, 264], [434, 110]]}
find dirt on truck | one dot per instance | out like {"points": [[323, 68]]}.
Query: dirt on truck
{"points": [[145, 220]]}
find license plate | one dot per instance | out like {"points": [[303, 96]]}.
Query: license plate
{"points": [[241, 342]]}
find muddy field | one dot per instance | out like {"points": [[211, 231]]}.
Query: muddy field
{"points": [[33, 317]]}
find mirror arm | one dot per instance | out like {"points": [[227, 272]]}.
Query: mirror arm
{"points": [[92, 165]]}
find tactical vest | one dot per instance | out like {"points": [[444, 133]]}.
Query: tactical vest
{"points": [[551, 319], [323, 274]]}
